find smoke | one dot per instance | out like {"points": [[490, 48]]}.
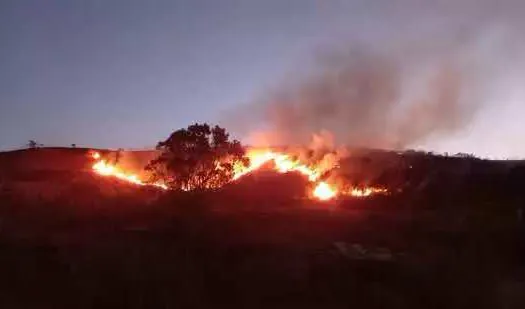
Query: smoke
{"points": [[374, 99], [321, 152], [393, 91]]}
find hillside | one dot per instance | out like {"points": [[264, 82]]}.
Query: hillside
{"points": [[449, 236]]}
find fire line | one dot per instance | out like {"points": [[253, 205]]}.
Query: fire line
{"points": [[283, 164]]}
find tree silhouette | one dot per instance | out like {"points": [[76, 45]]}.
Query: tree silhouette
{"points": [[198, 157], [32, 144]]}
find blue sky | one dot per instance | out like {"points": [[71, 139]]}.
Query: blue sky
{"points": [[125, 73]]}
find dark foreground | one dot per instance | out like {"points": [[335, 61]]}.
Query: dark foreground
{"points": [[444, 245], [280, 258]]}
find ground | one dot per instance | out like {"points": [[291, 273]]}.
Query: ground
{"points": [[70, 239]]}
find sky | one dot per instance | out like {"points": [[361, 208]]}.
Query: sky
{"points": [[126, 73]]}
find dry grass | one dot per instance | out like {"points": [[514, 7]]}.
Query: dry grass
{"points": [[70, 239]]}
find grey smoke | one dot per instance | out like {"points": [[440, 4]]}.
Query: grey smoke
{"points": [[372, 99], [391, 95]]}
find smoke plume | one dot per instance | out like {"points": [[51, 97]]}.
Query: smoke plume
{"points": [[370, 99], [392, 96]]}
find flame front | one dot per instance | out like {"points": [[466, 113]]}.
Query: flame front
{"points": [[283, 163], [102, 167]]}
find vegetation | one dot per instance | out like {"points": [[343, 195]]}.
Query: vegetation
{"points": [[32, 144], [452, 238], [196, 158]]}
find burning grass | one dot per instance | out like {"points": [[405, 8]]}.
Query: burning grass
{"points": [[182, 248], [282, 163]]}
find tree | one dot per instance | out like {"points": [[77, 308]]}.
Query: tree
{"points": [[32, 144], [196, 158]]}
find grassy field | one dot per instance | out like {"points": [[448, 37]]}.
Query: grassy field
{"points": [[451, 237]]}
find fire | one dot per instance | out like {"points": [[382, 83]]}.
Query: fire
{"points": [[102, 167], [256, 161], [366, 191], [323, 191], [283, 163]]}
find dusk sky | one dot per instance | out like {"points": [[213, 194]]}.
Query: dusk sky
{"points": [[126, 73]]}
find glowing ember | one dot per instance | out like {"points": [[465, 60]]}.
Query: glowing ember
{"points": [[283, 163], [357, 192], [323, 191]]}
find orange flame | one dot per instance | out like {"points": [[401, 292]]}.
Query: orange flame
{"points": [[102, 167], [357, 192], [323, 191], [283, 164]]}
